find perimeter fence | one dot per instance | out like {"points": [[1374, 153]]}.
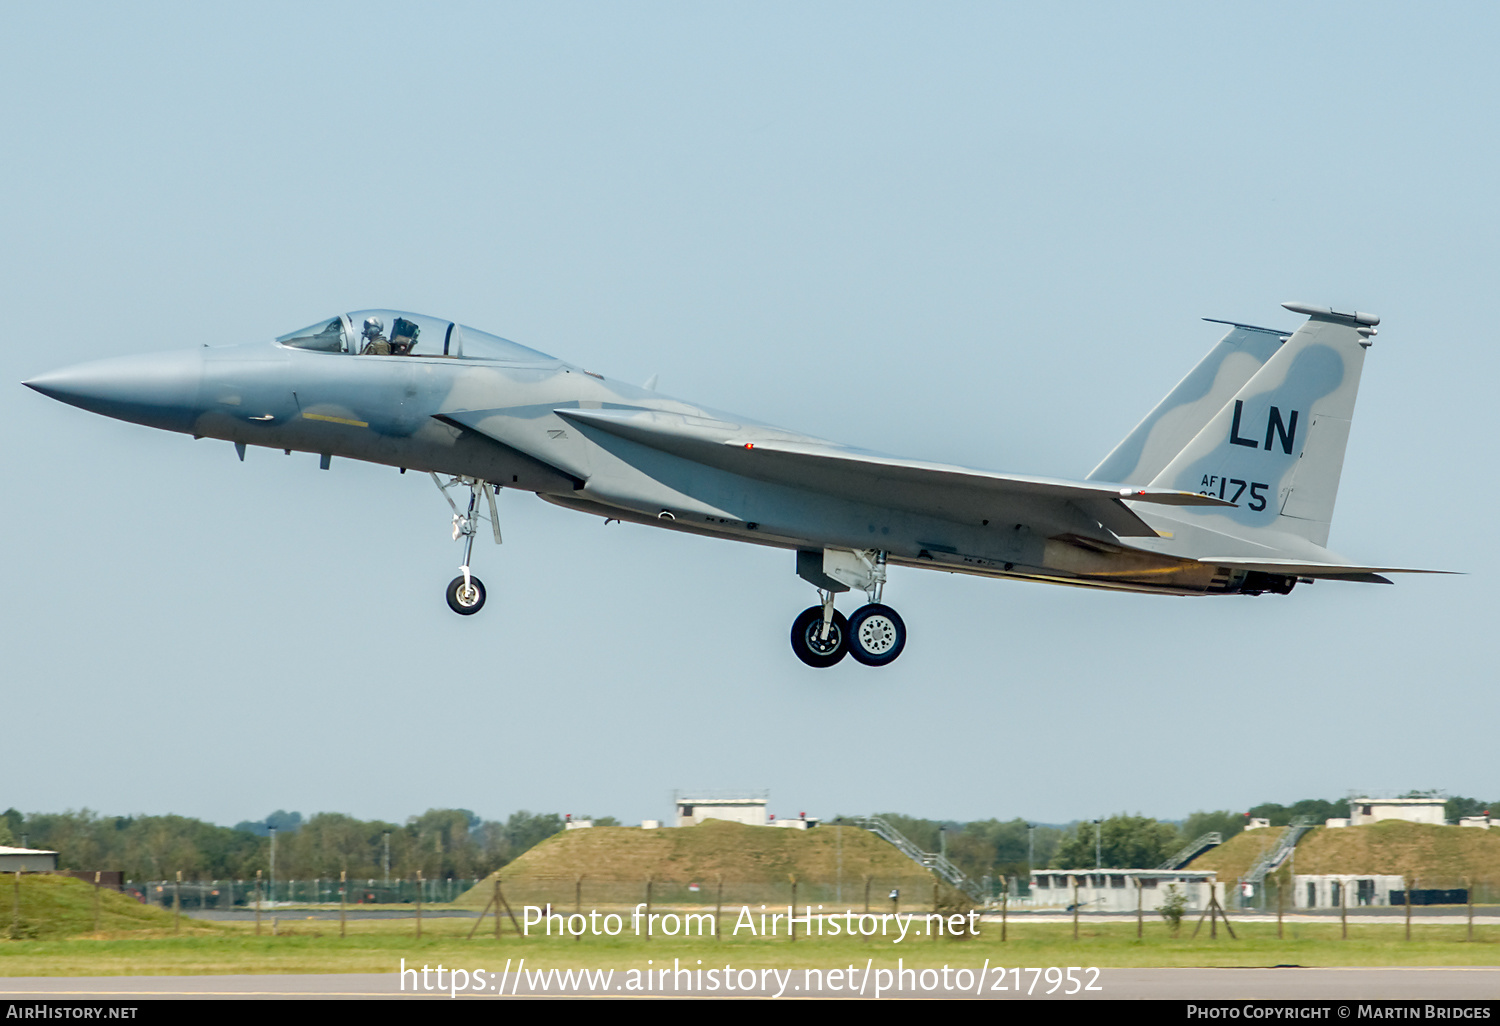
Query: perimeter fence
{"points": [[873, 894], [230, 894], [1354, 893]]}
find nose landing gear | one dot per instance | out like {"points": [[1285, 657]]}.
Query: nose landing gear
{"points": [[466, 592]]}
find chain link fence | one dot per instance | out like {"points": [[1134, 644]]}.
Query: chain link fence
{"points": [[226, 895]]}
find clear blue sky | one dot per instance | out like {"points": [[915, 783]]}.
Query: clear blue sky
{"points": [[981, 233]]}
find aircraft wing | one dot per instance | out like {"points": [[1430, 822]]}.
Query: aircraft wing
{"points": [[954, 492]]}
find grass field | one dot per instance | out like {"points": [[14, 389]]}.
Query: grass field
{"points": [[373, 947], [611, 866], [376, 946], [59, 930], [55, 907]]}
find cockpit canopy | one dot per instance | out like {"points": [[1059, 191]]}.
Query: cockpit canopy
{"points": [[407, 334]]}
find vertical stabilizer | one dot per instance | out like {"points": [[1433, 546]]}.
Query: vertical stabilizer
{"points": [[1277, 447], [1179, 417]]}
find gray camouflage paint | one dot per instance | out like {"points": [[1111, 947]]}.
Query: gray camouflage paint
{"points": [[1188, 408], [1316, 374], [525, 423]]}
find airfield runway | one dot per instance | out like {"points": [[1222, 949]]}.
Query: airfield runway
{"points": [[1282, 984]]}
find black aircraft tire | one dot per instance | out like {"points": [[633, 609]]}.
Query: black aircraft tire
{"points": [[876, 635], [456, 597], [808, 642]]}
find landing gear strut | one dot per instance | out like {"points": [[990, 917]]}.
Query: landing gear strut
{"points": [[466, 592], [821, 636]]}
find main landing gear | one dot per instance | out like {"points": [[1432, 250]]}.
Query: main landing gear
{"points": [[466, 592], [821, 636]]}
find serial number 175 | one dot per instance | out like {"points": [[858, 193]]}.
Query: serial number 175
{"points": [[1232, 488]]}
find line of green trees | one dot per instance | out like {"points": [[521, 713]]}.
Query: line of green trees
{"points": [[441, 843], [1456, 809]]}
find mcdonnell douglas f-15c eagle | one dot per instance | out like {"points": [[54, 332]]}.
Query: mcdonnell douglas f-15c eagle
{"points": [[1226, 488]]}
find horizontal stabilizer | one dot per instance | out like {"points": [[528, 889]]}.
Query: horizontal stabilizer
{"points": [[1328, 571]]}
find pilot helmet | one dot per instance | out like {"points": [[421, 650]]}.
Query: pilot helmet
{"points": [[373, 326]]}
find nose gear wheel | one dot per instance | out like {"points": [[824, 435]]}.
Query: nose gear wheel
{"points": [[466, 598]]}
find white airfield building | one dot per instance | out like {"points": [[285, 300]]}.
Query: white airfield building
{"points": [[1119, 890], [1364, 811], [27, 860]]}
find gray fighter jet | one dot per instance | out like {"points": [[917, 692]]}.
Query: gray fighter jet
{"points": [[1226, 488]]}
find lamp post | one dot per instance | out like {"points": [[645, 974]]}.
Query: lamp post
{"points": [[1030, 851], [1098, 857]]}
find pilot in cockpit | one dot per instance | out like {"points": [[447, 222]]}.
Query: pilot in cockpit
{"points": [[375, 342]]}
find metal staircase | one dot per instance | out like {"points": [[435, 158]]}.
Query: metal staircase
{"points": [[937, 863], [1192, 850], [1271, 859]]}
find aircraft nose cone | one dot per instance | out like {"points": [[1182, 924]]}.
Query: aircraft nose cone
{"points": [[159, 390]]}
